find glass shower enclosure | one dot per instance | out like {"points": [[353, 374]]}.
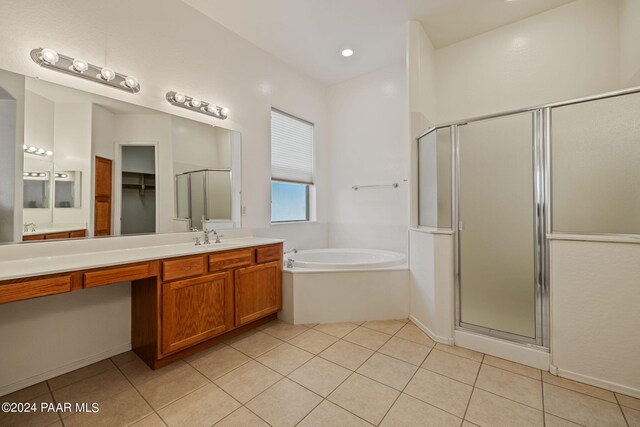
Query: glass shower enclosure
{"points": [[503, 183]]}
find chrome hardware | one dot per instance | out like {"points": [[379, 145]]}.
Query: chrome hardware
{"points": [[393, 185], [26, 226], [290, 263], [206, 235], [294, 250], [198, 242]]}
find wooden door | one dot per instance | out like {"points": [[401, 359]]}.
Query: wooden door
{"points": [[195, 310], [102, 208], [258, 291]]}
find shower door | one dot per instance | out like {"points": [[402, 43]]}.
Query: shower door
{"points": [[500, 241]]}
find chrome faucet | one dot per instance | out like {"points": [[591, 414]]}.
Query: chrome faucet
{"points": [[196, 238], [294, 250], [26, 226], [215, 233]]}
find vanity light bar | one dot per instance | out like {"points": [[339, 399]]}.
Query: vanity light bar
{"points": [[30, 149], [61, 175], [49, 58], [35, 174], [184, 101]]}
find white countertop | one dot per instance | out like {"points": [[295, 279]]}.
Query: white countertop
{"points": [[51, 230], [42, 265]]}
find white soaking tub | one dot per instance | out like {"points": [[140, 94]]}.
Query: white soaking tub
{"points": [[344, 285]]}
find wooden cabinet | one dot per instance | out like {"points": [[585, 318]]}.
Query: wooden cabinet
{"points": [[21, 289], [74, 234], [258, 291], [194, 310]]}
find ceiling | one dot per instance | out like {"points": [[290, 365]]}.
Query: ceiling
{"points": [[309, 34]]}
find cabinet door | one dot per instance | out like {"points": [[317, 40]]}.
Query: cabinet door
{"points": [[195, 310], [258, 291]]}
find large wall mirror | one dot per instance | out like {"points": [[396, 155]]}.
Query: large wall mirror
{"points": [[94, 166]]}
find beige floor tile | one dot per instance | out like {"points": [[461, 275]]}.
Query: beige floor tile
{"points": [[93, 389], [410, 412], [346, 354], [313, 341], [162, 390], [581, 408], [26, 394], [516, 387], [412, 333], [338, 330], [248, 381], [460, 351], [468, 424], [285, 331], [405, 350], [221, 360], [320, 376], [285, 358], [256, 344], [403, 320], [368, 338], [122, 409], [80, 374], [579, 387], [632, 416], [29, 419], [440, 391], [516, 368], [241, 336], [242, 418], [139, 372], [327, 414], [452, 366], [284, 404], [364, 397], [628, 401], [553, 421], [204, 407], [385, 326], [486, 409], [126, 357], [387, 370], [152, 420]]}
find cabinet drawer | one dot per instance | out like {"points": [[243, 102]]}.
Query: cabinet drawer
{"points": [[34, 288], [77, 233], [53, 236], [107, 276], [268, 253], [183, 267], [231, 259]]}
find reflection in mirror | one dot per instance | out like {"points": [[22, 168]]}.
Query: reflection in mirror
{"points": [[103, 167], [67, 189]]}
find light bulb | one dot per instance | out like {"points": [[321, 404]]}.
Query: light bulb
{"points": [[212, 109], [195, 103], [347, 52], [63, 175], [49, 153], [24, 146], [42, 174], [178, 97], [40, 151], [25, 174], [131, 82], [34, 174], [32, 149], [80, 65], [49, 56], [107, 74], [224, 112]]}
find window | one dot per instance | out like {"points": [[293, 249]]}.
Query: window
{"points": [[291, 167]]}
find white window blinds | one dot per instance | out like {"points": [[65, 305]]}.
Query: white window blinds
{"points": [[291, 149]]}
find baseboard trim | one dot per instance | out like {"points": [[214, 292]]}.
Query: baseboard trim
{"points": [[503, 349], [436, 338], [597, 382], [19, 385]]}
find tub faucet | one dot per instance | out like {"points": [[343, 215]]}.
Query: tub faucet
{"points": [[26, 226], [294, 250]]}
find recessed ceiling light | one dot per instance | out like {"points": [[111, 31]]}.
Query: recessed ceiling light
{"points": [[347, 52]]}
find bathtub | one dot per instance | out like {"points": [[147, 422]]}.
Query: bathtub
{"points": [[344, 285], [344, 259]]}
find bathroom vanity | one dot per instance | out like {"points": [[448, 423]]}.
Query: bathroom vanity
{"points": [[184, 298]]}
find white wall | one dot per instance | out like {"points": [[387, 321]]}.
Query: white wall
{"points": [[595, 296], [567, 52], [72, 152], [629, 17], [367, 122], [205, 60]]}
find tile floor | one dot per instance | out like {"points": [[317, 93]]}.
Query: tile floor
{"points": [[384, 373]]}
